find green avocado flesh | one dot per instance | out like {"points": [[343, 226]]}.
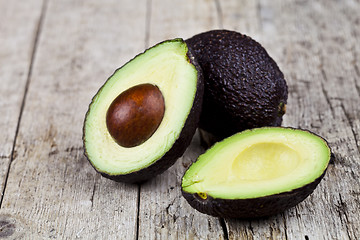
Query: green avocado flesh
{"points": [[257, 163], [165, 66]]}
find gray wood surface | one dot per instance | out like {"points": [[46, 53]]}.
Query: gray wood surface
{"points": [[54, 55], [17, 41]]}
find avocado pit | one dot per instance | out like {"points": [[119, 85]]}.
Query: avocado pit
{"points": [[135, 114]]}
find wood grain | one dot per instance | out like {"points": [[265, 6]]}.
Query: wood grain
{"points": [[52, 190], [165, 214], [54, 55], [18, 28]]}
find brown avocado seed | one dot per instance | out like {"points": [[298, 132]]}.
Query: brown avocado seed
{"points": [[135, 114]]}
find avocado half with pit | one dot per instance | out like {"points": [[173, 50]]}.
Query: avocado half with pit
{"points": [[244, 87], [256, 173], [145, 115]]}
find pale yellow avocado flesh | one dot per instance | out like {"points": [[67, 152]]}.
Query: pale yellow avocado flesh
{"points": [[257, 163], [166, 66]]}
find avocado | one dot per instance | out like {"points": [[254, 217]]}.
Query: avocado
{"points": [[145, 115], [244, 87], [256, 173]]}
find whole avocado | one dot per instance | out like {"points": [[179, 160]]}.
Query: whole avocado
{"points": [[244, 87]]}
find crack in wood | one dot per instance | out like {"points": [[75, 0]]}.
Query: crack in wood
{"points": [[341, 208], [297, 213], [53, 152], [72, 149], [251, 228], [169, 205], [138, 213], [93, 194], [271, 231], [285, 226], [27, 84], [64, 174], [333, 159], [224, 228]]}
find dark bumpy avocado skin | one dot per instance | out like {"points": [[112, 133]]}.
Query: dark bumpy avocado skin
{"points": [[244, 88], [180, 145], [253, 207]]}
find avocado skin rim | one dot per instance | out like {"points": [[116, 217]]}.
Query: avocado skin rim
{"points": [[179, 146], [252, 207]]}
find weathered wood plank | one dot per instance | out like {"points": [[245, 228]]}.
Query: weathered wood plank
{"points": [[18, 28], [163, 212], [52, 191], [329, 69], [316, 49], [171, 20]]}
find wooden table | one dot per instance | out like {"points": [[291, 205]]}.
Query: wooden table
{"points": [[54, 55]]}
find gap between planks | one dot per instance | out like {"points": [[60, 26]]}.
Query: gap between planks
{"points": [[28, 79]]}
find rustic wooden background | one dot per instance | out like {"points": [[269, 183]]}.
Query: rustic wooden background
{"points": [[54, 55]]}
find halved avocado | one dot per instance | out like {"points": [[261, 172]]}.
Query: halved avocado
{"points": [[244, 87], [256, 173], [145, 115]]}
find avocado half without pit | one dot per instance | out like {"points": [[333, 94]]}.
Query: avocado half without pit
{"points": [[145, 115], [256, 173]]}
